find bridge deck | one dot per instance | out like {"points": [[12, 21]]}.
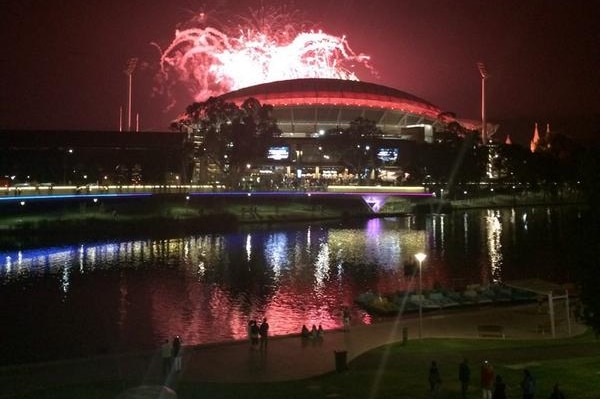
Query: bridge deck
{"points": [[23, 193]]}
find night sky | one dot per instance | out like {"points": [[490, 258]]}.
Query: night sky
{"points": [[63, 61]]}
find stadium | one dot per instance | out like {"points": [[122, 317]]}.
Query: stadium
{"points": [[309, 107]]}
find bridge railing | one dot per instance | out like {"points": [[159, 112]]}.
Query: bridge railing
{"points": [[45, 190], [94, 189]]}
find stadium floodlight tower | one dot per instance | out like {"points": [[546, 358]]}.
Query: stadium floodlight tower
{"points": [[131, 64], [484, 75]]}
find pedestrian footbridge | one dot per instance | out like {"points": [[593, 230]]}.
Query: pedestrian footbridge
{"points": [[373, 196]]}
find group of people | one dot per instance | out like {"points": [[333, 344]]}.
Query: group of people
{"points": [[171, 352], [258, 334], [314, 333], [492, 386]]}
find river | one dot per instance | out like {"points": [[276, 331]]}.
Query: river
{"points": [[104, 297]]}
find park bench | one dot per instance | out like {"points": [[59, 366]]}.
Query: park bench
{"points": [[491, 331]]}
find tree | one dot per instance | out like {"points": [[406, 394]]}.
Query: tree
{"points": [[452, 131], [354, 146], [227, 137], [589, 246]]}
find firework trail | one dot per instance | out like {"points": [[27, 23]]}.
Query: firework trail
{"points": [[264, 47]]}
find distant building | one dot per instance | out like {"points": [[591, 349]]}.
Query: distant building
{"points": [[90, 157]]}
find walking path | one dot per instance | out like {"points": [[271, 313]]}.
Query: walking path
{"points": [[286, 358]]}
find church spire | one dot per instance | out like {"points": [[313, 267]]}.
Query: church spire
{"points": [[547, 138], [535, 140], [508, 141]]}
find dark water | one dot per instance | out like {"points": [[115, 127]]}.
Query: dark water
{"points": [[128, 295]]}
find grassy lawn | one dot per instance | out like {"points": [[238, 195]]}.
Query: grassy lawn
{"points": [[397, 371]]}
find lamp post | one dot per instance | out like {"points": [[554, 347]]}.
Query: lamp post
{"points": [[420, 257], [66, 163], [299, 163]]}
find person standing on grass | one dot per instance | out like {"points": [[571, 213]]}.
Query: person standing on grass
{"points": [[528, 385], [464, 376], [499, 388], [435, 379], [487, 380], [556, 393]]}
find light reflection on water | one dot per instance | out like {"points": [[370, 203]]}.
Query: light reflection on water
{"points": [[132, 294], [494, 238]]}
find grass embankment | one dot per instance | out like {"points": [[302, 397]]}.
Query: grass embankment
{"points": [[166, 217], [528, 199], [397, 371], [157, 220]]}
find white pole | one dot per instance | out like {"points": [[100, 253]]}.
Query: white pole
{"points": [[420, 257], [129, 105], [484, 74], [551, 311], [121, 118], [483, 120], [129, 72], [568, 312], [137, 122]]}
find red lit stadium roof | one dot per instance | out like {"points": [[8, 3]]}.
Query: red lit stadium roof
{"points": [[337, 93]]}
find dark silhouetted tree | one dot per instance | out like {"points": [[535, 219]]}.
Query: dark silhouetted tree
{"points": [[229, 136], [355, 145]]}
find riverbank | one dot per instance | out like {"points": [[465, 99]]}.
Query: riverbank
{"points": [[292, 367], [76, 221], [161, 217]]}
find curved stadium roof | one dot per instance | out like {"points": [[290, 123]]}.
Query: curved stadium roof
{"points": [[308, 105]]}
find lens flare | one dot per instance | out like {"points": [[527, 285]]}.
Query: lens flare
{"points": [[210, 61]]}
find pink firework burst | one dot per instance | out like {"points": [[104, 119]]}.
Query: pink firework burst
{"points": [[265, 47]]}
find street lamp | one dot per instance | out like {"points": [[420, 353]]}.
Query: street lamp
{"points": [[420, 258], [65, 162]]}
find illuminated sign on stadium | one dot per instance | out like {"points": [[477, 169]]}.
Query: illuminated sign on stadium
{"points": [[278, 153]]}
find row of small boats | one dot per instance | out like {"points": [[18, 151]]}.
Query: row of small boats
{"points": [[475, 294]]}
